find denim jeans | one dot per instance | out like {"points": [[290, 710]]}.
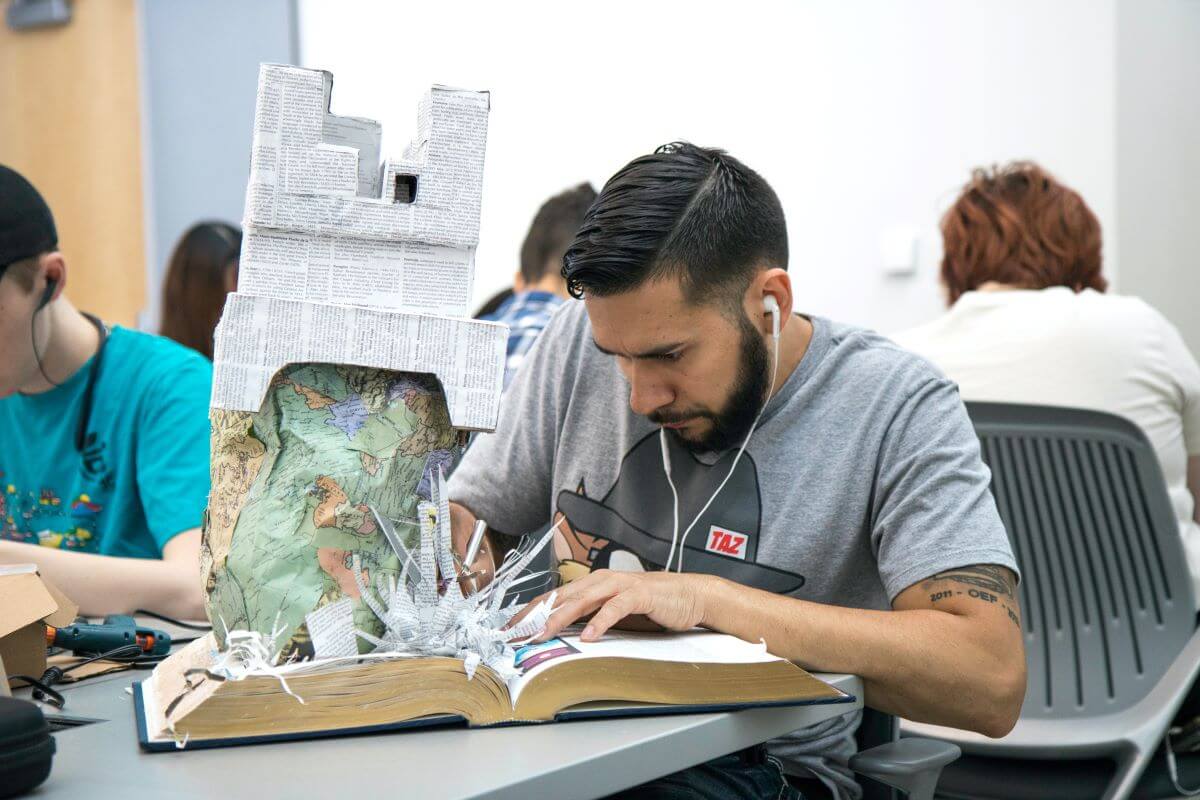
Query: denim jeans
{"points": [[749, 774]]}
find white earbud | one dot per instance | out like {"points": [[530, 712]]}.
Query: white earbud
{"points": [[771, 306]]}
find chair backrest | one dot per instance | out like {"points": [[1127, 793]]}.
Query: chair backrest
{"points": [[1105, 593]]}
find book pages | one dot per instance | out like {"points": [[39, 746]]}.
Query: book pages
{"points": [[696, 646]]}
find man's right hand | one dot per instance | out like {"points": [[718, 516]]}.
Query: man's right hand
{"points": [[482, 570]]}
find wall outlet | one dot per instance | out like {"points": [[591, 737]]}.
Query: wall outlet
{"points": [[898, 250]]}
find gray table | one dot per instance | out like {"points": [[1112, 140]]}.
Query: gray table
{"points": [[587, 758]]}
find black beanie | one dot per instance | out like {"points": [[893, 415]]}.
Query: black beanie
{"points": [[26, 224]]}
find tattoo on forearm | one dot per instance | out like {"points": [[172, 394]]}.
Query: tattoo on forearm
{"points": [[984, 582]]}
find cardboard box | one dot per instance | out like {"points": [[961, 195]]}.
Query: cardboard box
{"points": [[28, 603]]}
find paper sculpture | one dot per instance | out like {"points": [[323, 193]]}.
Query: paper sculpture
{"points": [[344, 362]]}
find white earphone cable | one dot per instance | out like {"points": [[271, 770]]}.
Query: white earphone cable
{"points": [[666, 456], [667, 461]]}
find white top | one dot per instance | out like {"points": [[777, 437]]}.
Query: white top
{"points": [[1086, 350]]}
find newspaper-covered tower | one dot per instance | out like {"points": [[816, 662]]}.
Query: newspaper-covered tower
{"points": [[328, 226], [353, 289]]}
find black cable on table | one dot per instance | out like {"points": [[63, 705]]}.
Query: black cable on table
{"points": [[129, 654], [41, 691]]}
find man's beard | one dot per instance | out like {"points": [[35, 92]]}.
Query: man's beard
{"points": [[731, 424]]}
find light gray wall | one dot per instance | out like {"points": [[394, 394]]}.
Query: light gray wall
{"points": [[199, 77], [1158, 157], [865, 116]]}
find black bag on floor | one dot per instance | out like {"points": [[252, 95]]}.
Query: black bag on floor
{"points": [[26, 746]]}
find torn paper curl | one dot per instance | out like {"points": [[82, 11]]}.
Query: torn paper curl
{"points": [[424, 613]]}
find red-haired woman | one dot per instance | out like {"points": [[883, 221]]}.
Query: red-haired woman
{"points": [[1029, 322]]}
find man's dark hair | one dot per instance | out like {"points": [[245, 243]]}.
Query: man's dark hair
{"points": [[552, 230], [27, 227], [694, 213]]}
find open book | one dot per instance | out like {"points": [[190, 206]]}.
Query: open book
{"points": [[622, 674]]}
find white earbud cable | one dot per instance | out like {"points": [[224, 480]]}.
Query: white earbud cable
{"points": [[732, 467], [666, 457]]}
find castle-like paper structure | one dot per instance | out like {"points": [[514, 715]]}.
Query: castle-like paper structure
{"points": [[345, 361], [328, 226]]}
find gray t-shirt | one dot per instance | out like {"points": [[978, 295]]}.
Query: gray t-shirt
{"points": [[862, 478]]}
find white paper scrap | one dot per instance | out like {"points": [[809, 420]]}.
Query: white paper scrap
{"points": [[331, 628]]}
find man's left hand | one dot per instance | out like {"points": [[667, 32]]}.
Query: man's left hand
{"points": [[673, 601]]}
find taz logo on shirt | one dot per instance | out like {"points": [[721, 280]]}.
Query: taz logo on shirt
{"points": [[630, 527], [726, 543]]}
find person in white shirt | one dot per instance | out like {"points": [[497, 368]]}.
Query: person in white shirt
{"points": [[1030, 322]]}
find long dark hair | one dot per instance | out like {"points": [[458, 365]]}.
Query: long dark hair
{"points": [[203, 268]]}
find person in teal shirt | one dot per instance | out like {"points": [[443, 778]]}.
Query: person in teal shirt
{"points": [[103, 435]]}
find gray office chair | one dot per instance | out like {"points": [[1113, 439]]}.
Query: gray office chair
{"points": [[1108, 614], [910, 767]]}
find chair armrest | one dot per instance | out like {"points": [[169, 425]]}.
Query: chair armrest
{"points": [[911, 765]]}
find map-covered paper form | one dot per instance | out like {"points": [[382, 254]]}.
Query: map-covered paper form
{"points": [[345, 362]]}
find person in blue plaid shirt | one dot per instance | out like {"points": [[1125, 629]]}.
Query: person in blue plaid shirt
{"points": [[539, 288]]}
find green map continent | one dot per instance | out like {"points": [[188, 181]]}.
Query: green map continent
{"points": [[297, 480]]}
